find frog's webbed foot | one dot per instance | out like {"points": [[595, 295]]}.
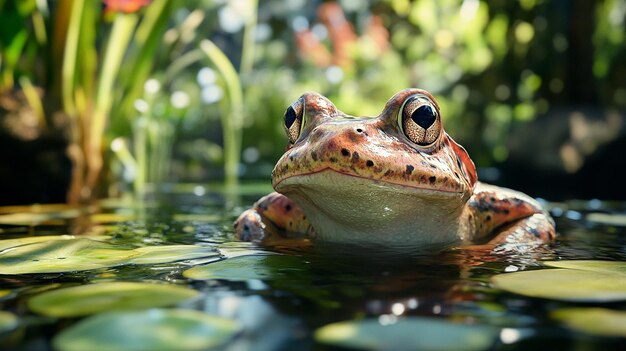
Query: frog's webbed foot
{"points": [[274, 216], [509, 220], [249, 226], [524, 233]]}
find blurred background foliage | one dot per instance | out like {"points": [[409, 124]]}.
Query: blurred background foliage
{"points": [[195, 91]]}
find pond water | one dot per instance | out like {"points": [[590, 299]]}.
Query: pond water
{"points": [[296, 298]]}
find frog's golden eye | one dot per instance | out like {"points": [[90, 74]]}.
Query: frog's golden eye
{"points": [[420, 120], [293, 120]]}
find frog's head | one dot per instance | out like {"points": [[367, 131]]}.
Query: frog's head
{"points": [[374, 174]]}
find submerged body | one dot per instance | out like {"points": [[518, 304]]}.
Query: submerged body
{"points": [[396, 180]]}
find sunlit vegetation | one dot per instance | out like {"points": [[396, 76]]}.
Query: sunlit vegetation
{"points": [[162, 90]]}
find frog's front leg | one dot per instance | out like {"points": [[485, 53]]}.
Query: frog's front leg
{"points": [[506, 218], [273, 216]]}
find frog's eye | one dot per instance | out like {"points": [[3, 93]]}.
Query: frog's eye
{"points": [[293, 120], [420, 120]]}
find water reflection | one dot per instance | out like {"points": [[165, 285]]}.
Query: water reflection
{"points": [[282, 294]]}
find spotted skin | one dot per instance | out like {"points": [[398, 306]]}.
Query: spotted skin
{"points": [[503, 217], [271, 217], [352, 179], [363, 150]]}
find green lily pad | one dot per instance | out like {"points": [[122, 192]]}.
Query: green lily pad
{"points": [[37, 208], [242, 268], [95, 298], [155, 329], [105, 218], [170, 253], [607, 219], [590, 265], [79, 254], [24, 218], [597, 321], [8, 321], [411, 333], [40, 214], [194, 217], [565, 284], [233, 249], [8, 243], [61, 256]]}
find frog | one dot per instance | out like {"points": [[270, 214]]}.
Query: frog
{"points": [[396, 180]]}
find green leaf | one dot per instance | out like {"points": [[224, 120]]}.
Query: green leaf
{"points": [[170, 253], [106, 218], [155, 329], [8, 243], [565, 284], [62, 254], [101, 297], [591, 265], [242, 268], [597, 321], [414, 333], [614, 219]]}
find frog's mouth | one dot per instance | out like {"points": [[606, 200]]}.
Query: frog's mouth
{"points": [[344, 180], [343, 208]]}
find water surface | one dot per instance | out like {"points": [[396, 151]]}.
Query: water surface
{"points": [[280, 300]]}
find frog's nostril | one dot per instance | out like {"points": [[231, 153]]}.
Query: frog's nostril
{"points": [[361, 130]]}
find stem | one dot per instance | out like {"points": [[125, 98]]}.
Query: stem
{"points": [[181, 63], [123, 27], [231, 117], [249, 37], [68, 70], [147, 39], [140, 147], [39, 27], [12, 55], [33, 99]]}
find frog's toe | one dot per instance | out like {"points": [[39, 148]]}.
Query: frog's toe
{"points": [[249, 226], [533, 230]]}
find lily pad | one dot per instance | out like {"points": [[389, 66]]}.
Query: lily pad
{"points": [[61, 256], [8, 243], [105, 218], [242, 268], [95, 298], [597, 321], [590, 265], [411, 333], [8, 321], [565, 284], [170, 253], [38, 216], [194, 217], [38, 208], [156, 329], [24, 218], [618, 220], [79, 254]]}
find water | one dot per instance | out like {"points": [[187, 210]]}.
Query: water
{"points": [[280, 301]]}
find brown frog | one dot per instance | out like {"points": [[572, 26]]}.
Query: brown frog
{"points": [[396, 180]]}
